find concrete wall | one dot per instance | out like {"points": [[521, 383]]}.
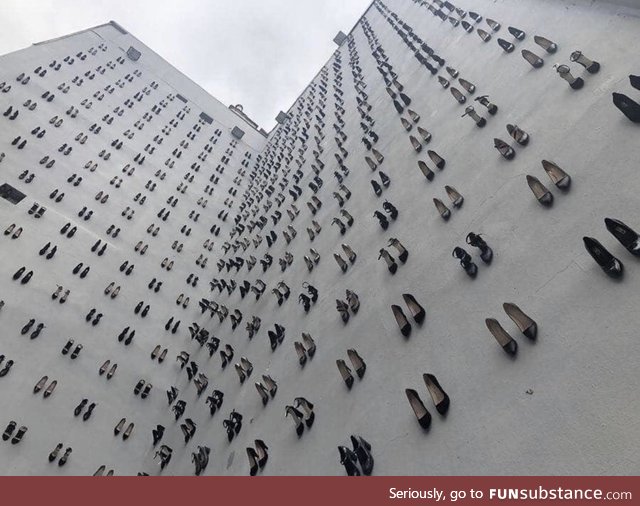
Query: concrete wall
{"points": [[565, 405]]}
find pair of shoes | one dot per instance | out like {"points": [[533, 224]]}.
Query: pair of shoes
{"points": [[111, 290], [607, 262], [358, 364], [438, 396], [233, 424], [456, 200], [215, 401], [353, 304], [351, 255], [80, 407], [120, 425], [126, 338], [267, 388], [276, 337], [244, 368], [7, 366], [18, 274], [51, 253], [525, 324], [361, 454], [54, 454], [16, 231], [11, 427], [105, 366], [143, 387], [257, 457], [559, 177], [417, 312], [301, 419]]}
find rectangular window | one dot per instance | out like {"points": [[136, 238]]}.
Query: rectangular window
{"points": [[11, 194]]}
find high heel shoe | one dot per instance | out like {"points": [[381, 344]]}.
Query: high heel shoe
{"points": [[509, 345], [417, 311], [419, 409], [540, 191], [559, 177], [486, 253], [343, 309], [438, 395], [345, 372], [628, 107], [533, 59], [307, 407], [363, 450], [504, 149], [343, 265], [519, 135], [526, 325], [607, 262], [391, 263], [403, 253], [456, 198], [401, 320], [353, 301], [297, 418], [625, 234], [351, 255], [465, 261], [253, 461], [358, 363], [444, 211], [261, 450], [349, 459]]}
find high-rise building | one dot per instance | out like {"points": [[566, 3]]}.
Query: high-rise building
{"points": [[399, 277]]}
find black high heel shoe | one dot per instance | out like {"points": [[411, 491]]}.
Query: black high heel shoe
{"points": [[540, 191], [297, 418], [403, 253], [363, 450], [253, 461], [382, 219], [261, 450], [509, 345], [627, 106], [625, 234], [465, 261], [401, 320], [526, 325], [391, 263], [607, 262], [419, 409], [358, 363], [417, 311], [486, 253], [444, 211], [307, 407], [559, 177], [349, 459], [438, 395], [345, 372]]}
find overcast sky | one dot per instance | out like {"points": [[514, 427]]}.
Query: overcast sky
{"points": [[259, 53]]}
